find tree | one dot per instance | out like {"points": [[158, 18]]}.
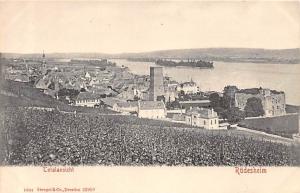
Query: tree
{"points": [[254, 107], [221, 112], [215, 100], [234, 115], [227, 102]]}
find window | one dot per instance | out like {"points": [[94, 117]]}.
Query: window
{"points": [[204, 122], [211, 122], [215, 121]]}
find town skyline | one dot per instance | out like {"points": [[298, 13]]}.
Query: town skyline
{"points": [[146, 26]]}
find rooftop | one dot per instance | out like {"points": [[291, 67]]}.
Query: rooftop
{"points": [[128, 104], [255, 91], [191, 83], [202, 112], [249, 91], [42, 83], [144, 105], [276, 92], [88, 96], [103, 91], [194, 102], [19, 77]]}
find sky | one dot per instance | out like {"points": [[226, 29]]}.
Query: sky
{"points": [[116, 27]]}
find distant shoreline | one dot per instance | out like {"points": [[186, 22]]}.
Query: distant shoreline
{"points": [[260, 61], [242, 55], [229, 60]]}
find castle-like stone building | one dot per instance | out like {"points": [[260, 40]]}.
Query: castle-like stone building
{"points": [[273, 101]]}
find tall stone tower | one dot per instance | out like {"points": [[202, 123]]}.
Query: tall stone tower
{"points": [[156, 83]]}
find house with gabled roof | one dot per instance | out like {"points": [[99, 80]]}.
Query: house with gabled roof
{"points": [[202, 117], [88, 99], [151, 109], [128, 107], [43, 83]]}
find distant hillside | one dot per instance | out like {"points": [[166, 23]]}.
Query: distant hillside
{"points": [[57, 55], [209, 54], [226, 54]]}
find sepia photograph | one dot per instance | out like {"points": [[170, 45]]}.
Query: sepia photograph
{"points": [[150, 84], [150, 96]]}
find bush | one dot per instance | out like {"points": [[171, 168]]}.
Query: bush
{"points": [[254, 107]]}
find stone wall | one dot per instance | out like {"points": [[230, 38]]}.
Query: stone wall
{"points": [[286, 124]]}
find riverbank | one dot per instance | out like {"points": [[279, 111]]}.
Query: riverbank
{"points": [[248, 75]]}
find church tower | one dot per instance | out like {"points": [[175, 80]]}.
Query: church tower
{"points": [[44, 60], [43, 68]]}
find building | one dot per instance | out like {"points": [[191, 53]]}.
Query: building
{"points": [[129, 107], [194, 103], [156, 83], [273, 101], [151, 109], [43, 83], [87, 99], [188, 87], [103, 92], [202, 117], [171, 91], [170, 95], [130, 92], [87, 76], [18, 77], [110, 102]]}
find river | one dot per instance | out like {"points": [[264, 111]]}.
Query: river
{"points": [[281, 77]]}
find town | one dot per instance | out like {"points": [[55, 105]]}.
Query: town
{"points": [[99, 83], [150, 96], [101, 88]]}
